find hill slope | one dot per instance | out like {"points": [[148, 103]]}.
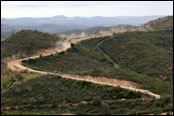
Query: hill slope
{"points": [[142, 57], [92, 57], [164, 23], [27, 42], [149, 53], [55, 94]]}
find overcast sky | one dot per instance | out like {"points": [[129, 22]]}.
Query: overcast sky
{"points": [[14, 9]]}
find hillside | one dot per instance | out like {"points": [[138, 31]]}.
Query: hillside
{"points": [[66, 91], [53, 94], [91, 57], [27, 42], [142, 60], [149, 53], [164, 23]]}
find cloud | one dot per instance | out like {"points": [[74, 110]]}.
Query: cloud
{"points": [[85, 8]]}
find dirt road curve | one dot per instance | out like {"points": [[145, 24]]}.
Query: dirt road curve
{"points": [[16, 65]]}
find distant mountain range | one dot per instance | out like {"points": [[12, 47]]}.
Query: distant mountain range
{"points": [[82, 21], [61, 23]]}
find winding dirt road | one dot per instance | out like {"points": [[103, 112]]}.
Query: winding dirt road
{"points": [[16, 65]]}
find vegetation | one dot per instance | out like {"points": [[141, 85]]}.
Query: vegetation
{"points": [[51, 89], [26, 43], [128, 107], [164, 23], [56, 95], [89, 58], [10, 78], [149, 53], [142, 57], [6, 75]]}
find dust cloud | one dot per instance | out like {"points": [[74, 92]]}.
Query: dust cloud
{"points": [[67, 39]]}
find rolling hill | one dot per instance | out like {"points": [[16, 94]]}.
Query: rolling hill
{"points": [[26, 43], [100, 57], [55, 95], [144, 57]]}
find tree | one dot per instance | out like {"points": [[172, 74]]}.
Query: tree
{"points": [[96, 101], [62, 53], [54, 105], [40, 55], [72, 45]]}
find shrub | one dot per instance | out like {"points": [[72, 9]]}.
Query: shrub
{"points": [[96, 101], [54, 105]]}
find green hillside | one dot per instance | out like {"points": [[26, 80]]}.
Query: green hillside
{"points": [[105, 56], [144, 56], [149, 53], [51, 89], [27, 42], [53, 94]]}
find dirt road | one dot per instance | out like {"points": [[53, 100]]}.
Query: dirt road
{"points": [[106, 55], [16, 65]]}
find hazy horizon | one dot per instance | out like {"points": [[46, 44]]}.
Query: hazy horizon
{"points": [[86, 17], [40, 9]]}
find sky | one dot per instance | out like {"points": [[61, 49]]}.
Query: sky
{"points": [[17, 9]]}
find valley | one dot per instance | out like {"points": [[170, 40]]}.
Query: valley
{"points": [[86, 65]]}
